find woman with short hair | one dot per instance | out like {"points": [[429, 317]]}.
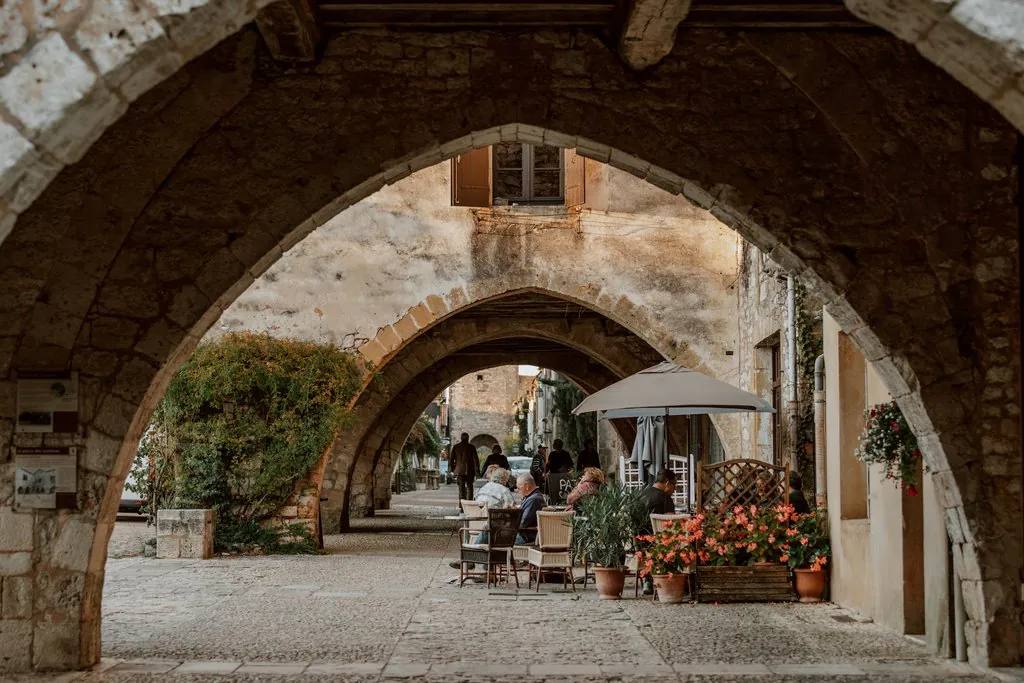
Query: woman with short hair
{"points": [[495, 493], [593, 478]]}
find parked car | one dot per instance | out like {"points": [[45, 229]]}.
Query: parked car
{"points": [[131, 502], [518, 464]]}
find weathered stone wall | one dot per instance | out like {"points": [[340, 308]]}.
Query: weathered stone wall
{"points": [[892, 197], [484, 403]]}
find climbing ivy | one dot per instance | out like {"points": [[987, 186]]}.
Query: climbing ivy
{"points": [[577, 428], [243, 421], [809, 345]]}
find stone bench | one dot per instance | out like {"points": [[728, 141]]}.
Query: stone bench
{"points": [[184, 534]]}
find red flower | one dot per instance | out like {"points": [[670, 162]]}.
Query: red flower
{"points": [[916, 453], [911, 490], [895, 426]]}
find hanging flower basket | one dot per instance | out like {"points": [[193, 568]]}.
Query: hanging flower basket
{"points": [[888, 441]]}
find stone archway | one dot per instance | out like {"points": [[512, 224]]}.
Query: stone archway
{"points": [[117, 55], [132, 253], [484, 441]]}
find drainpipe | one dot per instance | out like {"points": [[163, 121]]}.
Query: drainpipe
{"points": [[820, 481], [791, 345]]}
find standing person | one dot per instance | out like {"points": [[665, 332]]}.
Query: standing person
{"points": [[588, 457], [539, 463], [464, 464], [658, 497], [796, 494], [559, 462], [496, 458]]}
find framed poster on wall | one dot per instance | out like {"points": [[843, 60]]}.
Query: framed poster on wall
{"points": [[47, 402], [45, 477]]}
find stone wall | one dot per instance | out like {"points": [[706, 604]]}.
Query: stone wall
{"points": [[484, 403]]}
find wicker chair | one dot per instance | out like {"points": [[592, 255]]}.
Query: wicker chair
{"points": [[496, 552], [662, 522], [475, 512], [554, 547]]}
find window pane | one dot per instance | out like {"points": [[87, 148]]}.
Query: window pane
{"points": [[508, 155], [547, 157], [508, 184], [546, 184]]}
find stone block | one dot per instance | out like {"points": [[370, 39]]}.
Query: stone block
{"points": [[55, 645], [15, 564], [15, 530], [16, 635], [168, 547], [17, 597], [73, 545], [114, 32]]}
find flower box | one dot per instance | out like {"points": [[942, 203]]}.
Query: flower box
{"points": [[744, 584]]}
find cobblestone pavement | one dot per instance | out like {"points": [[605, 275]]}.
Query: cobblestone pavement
{"points": [[381, 606]]}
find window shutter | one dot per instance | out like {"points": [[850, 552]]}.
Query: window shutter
{"points": [[471, 178], [575, 179]]}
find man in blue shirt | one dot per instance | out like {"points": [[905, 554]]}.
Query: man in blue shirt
{"points": [[532, 503]]}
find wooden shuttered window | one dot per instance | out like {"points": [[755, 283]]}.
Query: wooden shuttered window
{"points": [[471, 178], [575, 179]]}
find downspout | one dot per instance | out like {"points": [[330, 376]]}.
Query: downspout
{"points": [[959, 616], [791, 366], [820, 480]]}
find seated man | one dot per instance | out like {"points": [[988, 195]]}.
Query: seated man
{"points": [[796, 494], [659, 502], [532, 503]]}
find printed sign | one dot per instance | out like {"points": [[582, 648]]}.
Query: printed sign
{"points": [[47, 402], [45, 477], [559, 487]]}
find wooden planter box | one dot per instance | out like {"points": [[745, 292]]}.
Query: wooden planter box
{"points": [[744, 584]]}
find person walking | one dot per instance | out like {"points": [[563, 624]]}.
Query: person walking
{"points": [[588, 457], [559, 462], [496, 458], [464, 463]]}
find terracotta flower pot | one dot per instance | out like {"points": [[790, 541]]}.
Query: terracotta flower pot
{"points": [[671, 588], [810, 584], [610, 582]]}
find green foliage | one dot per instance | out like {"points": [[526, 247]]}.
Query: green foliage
{"points": [[578, 428], [242, 422], [423, 439], [810, 547], [608, 524], [809, 345]]}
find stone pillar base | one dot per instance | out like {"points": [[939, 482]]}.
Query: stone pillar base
{"points": [[184, 534]]}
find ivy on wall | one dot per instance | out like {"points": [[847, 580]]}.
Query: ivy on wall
{"points": [[424, 441], [809, 345], [523, 427], [575, 428], [242, 423]]}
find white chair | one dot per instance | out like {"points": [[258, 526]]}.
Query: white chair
{"points": [[476, 514], [662, 522], [554, 547]]}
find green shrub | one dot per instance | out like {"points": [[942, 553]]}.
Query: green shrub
{"points": [[243, 421]]}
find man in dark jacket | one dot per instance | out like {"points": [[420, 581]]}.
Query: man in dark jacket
{"points": [[533, 502], [464, 463], [588, 457], [659, 502], [559, 462], [796, 494]]}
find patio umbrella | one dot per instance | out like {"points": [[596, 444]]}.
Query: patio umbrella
{"points": [[652, 395], [669, 389]]}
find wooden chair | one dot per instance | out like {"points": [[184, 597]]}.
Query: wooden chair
{"points": [[554, 547], [496, 552]]}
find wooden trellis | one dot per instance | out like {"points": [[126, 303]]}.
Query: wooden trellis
{"points": [[724, 485]]}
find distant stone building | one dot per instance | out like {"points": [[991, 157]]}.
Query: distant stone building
{"points": [[483, 404]]}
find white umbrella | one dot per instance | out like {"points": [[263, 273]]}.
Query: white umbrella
{"points": [[668, 389]]}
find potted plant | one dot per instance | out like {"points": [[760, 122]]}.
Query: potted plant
{"points": [[808, 555], [667, 556], [888, 441], [606, 530]]}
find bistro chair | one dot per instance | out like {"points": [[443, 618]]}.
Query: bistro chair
{"points": [[475, 514], [554, 547], [496, 552], [662, 522]]}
